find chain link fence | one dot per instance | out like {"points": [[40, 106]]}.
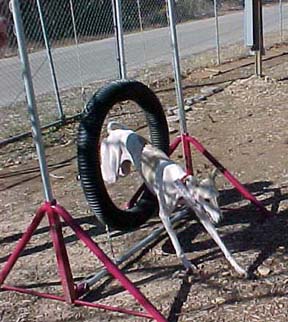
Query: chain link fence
{"points": [[74, 40]]}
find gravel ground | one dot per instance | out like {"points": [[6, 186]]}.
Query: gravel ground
{"points": [[242, 121]]}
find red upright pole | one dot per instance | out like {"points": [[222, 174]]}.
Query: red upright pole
{"points": [[63, 265]]}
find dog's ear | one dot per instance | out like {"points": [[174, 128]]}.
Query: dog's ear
{"points": [[191, 182], [212, 209], [110, 160], [214, 173]]}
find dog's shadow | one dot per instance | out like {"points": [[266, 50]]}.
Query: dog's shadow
{"points": [[243, 228]]}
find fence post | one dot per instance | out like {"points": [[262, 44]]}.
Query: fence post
{"points": [[217, 32], [281, 20], [254, 31], [83, 94], [176, 65], [51, 63], [259, 31], [139, 15], [119, 37]]}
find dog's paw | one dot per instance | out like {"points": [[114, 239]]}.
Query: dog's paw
{"points": [[182, 273], [241, 273], [188, 264]]}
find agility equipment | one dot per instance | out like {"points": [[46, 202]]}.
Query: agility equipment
{"points": [[88, 145], [184, 138]]}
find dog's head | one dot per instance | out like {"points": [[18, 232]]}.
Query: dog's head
{"points": [[115, 159], [205, 192]]}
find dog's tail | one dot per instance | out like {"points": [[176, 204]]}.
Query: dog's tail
{"points": [[114, 125]]}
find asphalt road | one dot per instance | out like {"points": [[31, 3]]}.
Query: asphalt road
{"points": [[97, 60]]}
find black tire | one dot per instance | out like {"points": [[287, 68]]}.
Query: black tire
{"points": [[89, 156]]}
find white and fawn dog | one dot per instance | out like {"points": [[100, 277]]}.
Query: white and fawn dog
{"points": [[165, 179]]}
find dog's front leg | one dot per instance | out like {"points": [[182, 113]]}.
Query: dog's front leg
{"points": [[213, 233], [174, 239]]}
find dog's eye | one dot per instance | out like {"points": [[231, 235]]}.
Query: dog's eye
{"points": [[207, 200]]}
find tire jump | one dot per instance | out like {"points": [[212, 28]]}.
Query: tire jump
{"points": [[88, 146]]}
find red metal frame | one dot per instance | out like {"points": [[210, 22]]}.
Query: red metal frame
{"points": [[71, 291], [186, 140], [55, 212]]}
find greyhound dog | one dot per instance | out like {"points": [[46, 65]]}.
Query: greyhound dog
{"points": [[166, 180]]}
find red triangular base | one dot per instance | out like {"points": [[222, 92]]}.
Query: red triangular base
{"points": [[71, 292]]}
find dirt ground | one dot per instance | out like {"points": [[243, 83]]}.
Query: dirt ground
{"points": [[242, 121]]}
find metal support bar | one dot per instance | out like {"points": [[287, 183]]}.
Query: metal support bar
{"points": [[110, 266], [135, 248], [54, 213], [22, 244], [244, 192], [31, 102], [63, 265]]}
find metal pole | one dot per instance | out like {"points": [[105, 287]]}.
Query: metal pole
{"points": [[83, 94], [116, 37], [139, 15], [176, 64], [281, 20], [51, 63], [141, 30], [120, 39], [32, 109], [259, 30], [217, 32], [258, 63]]}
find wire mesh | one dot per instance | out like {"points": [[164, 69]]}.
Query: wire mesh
{"points": [[84, 50]]}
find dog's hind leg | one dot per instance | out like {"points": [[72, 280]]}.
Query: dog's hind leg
{"points": [[175, 242]]}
